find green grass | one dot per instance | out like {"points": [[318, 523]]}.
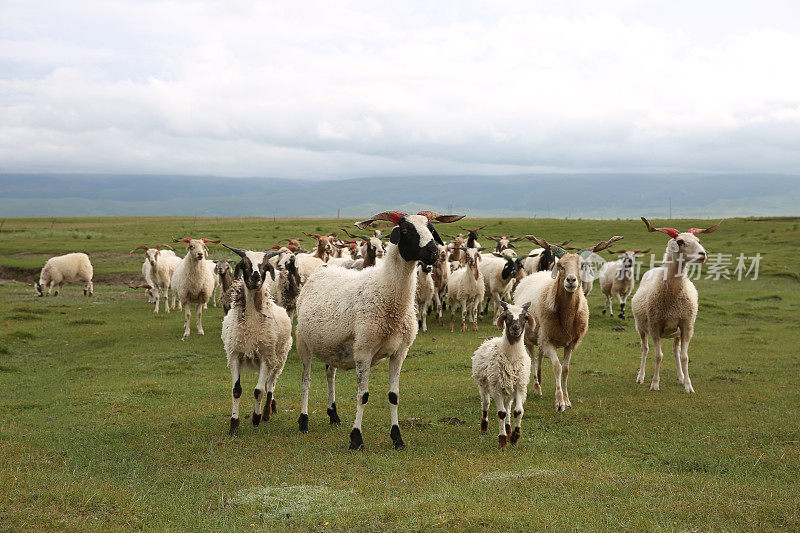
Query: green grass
{"points": [[109, 421]]}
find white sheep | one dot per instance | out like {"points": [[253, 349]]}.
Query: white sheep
{"points": [[465, 289], [665, 305], [561, 313], [193, 281], [499, 274], [441, 276], [256, 333], [424, 294], [356, 318], [502, 368], [616, 279], [307, 264], [68, 268], [157, 270]]}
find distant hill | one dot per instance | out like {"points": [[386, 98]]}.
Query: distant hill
{"points": [[540, 195]]}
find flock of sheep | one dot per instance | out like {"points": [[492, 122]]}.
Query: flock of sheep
{"points": [[360, 301]]}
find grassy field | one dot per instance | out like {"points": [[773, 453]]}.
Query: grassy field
{"points": [[109, 421]]}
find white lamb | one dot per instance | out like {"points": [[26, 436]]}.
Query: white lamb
{"points": [[616, 279], [666, 303], [465, 289], [194, 281], [356, 318], [256, 333], [424, 295], [69, 268], [502, 368], [157, 270]]}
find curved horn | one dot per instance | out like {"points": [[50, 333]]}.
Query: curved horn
{"points": [[541, 242], [238, 251], [695, 231], [138, 247], [159, 246], [363, 238], [185, 239], [602, 245], [312, 235], [620, 251], [641, 251], [390, 216], [436, 217], [209, 240], [672, 232]]}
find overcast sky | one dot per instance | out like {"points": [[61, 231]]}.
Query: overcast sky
{"points": [[344, 89]]}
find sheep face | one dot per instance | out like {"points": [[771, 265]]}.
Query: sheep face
{"points": [[568, 271], [222, 268], [416, 239], [197, 249], [152, 256], [510, 269], [377, 245], [253, 268], [687, 248], [514, 319]]}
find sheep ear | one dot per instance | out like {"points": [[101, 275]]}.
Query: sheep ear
{"points": [[554, 271], [531, 321], [394, 237], [673, 246], [501, 321], [237, 270]]}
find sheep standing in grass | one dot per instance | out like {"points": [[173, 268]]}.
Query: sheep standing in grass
{"points": [[356, 318], [157, 272], [502, 368], [499, 274], [616, 279], [465, 289], [69, 268], [424, 295], [441, 277], [193, 281], [666, 303], [561, 313], [256, 333]]}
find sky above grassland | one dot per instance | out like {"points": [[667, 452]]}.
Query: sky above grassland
{"points": [[347, 89]]}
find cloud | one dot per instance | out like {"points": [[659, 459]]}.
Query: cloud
{"points": [[322, 90]]}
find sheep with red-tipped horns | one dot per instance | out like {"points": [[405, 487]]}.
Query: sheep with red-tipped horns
{"points": [[194, 281], [665, 305]]}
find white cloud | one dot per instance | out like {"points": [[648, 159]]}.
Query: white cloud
{"points": [[316, 89]]}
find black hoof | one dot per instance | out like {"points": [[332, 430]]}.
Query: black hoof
{"points": [[622, 315], [515, 436], [256, 419], [334, 416], [356, 442], [274, 406], [396, 438], [268, 407], [234, 426], [484, 426], [604, 311], [303, 423]]}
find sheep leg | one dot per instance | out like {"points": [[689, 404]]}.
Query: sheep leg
{"points": [[305, 357], [645, 349], [485, 401], [475, 314], [686, 336], [659, 356], [259, 391], [165, 291], [565, 373], [158, 298], [424, 314], [187, 314], [453, 308], [464, 313], [330, 372], [610, 305], [676, 351], [395, 364], [607, 304], [437, 306], [621, 302], [509, 401], [502, 415], [199, 311], [519, 400], [236, 394], [552, 354], [362, 396]]}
